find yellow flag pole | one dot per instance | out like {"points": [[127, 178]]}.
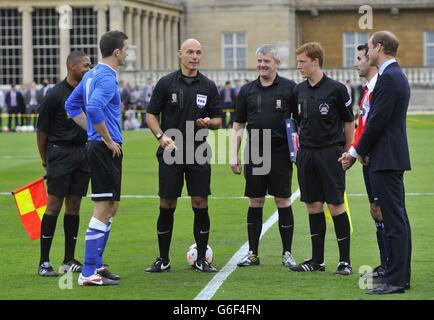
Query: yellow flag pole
{"points": [[328, 214]]}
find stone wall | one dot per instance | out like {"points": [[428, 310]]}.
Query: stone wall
{"points": [[328, 29]]}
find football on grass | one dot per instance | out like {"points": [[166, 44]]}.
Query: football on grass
{"points": [[192, 254]]}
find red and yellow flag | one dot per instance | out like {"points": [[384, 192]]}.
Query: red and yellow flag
{"points": [[31, 201]]}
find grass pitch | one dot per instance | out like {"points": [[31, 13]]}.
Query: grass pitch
{"points": [[133, 241]]}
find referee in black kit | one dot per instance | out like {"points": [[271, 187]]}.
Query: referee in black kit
{"points": [[188, 101], [61, 145], [265, 104], [326, 124]]}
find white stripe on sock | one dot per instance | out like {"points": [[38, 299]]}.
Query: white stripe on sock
{"points": [[97, 224], [94, 236]]}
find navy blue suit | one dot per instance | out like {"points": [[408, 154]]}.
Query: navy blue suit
{"points": [[20, 108], [384, 140]]}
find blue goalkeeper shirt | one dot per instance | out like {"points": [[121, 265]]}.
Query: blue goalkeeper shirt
{"points": [[98, 93]]}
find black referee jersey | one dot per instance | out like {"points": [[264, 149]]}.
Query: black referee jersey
{"points": [[180, 98], [322, 111], [267, 107], [54, 120]]}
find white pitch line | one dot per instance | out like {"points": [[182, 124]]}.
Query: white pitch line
{"points": [[211, 288]]}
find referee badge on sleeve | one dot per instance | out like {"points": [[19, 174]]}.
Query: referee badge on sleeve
{"points": [[201, 100]]}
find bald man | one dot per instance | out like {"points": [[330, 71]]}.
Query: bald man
{"points": [[190, 105]]}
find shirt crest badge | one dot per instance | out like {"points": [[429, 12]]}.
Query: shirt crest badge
{"points": [[324, 109], [278, 104], [174, 98], [201, 100]]}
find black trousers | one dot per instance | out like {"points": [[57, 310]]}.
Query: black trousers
{"points": [[389, 187], [14, 112]]}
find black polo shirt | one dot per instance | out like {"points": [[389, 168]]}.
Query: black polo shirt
{"points": [[322, 111], [54, 120], [267, 107], [180, 99]]}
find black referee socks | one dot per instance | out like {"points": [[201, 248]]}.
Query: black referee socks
{"points": [[286, 227], [164, 231], [201, 231], [317, 225], [342, 229], [48, 227], [71, 224], [254, 228]]}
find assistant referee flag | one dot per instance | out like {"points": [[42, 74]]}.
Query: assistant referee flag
{"points": [[31, 202], [328, 214]]}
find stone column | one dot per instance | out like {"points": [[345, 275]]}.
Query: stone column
{"points": [[292, 21], [175, 42], [64, 38], [117, 16], [101, 24], [128, 16], [137, 34], [167, 43], [153, 34], [146, 52], [26, 40], [183, 30], [160, 35]]}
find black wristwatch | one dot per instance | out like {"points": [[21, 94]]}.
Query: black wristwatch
{"points": [[159, 135]]}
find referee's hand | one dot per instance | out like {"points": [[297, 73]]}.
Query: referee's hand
{"points": [[167, 143], [203, 122]]}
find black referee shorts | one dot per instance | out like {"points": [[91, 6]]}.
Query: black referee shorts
{"points": [[171, 179], [277, 182], [68, 172], [320, 175], [105, 172]]}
